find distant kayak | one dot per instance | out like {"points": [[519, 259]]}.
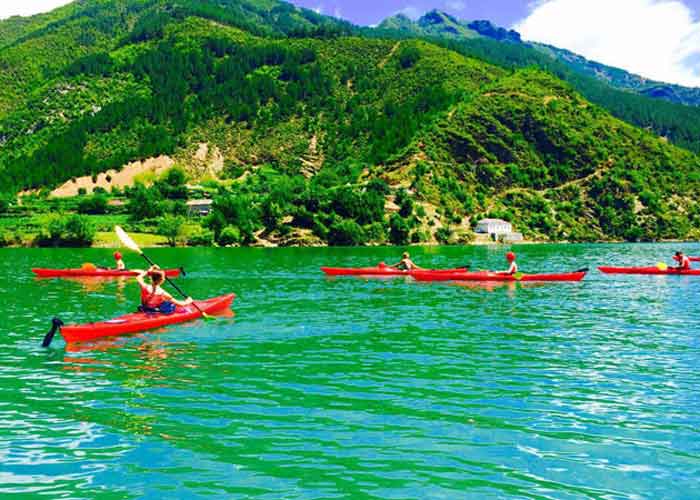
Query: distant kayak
{"points": [[139, 322], [652, 270], [486, 276], [96, 273], [379, 271]]}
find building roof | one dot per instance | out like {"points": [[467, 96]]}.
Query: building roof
{"points": [[496, 221], [204, 201]]}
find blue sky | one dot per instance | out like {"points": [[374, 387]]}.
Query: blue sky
{"points": [[366, 12], [658, 39]]}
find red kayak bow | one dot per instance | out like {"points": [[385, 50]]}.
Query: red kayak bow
{"points": [[138, 322], [650, 271], [491, 276]]}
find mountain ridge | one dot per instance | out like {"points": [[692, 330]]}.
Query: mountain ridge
{"points": [[325, 131], [617, 77]]}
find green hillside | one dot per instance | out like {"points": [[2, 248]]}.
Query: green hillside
{"points": [[327, 137], [658, 107]]}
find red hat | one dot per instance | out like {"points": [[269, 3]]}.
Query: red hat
{"points": [[510, 256], [117, 256]]}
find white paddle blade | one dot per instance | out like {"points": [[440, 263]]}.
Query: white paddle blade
{"points": [[126, 240]]}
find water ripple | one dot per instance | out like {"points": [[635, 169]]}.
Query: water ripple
{"points": [[351, 388]]}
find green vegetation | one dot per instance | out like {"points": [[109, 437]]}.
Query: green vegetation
{"points": [[66, 231], [650, 105], [324, 138]]}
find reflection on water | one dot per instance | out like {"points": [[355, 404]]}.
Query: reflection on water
{"points": [[92, 284], [352, 388]]}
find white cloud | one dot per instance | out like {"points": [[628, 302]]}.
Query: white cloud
{"points": [[658, 39], [456, 4], [318, 9], [411, 12], [28, 7]]}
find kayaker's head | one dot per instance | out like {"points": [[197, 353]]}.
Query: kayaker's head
{"points": [[406, 255], [117, 256], [157, 277], [678, 256], [510, 256]]}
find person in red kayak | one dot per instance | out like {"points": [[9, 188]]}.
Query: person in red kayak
{"points": [[119, 263], [513, 269], [153, 298], [683, 261], [406, 264]]}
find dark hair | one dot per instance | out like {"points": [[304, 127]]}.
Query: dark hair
{"points": [[157, 277]]}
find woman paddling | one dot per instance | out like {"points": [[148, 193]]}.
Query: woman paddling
{"points": [[118, 262], [683, 261], [153, 298], [406, 264], [513, 269]]}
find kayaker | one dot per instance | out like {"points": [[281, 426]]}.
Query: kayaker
{"points": [[120, 266], [683, 261], [406, 264], [153, 298], [513, 269]]}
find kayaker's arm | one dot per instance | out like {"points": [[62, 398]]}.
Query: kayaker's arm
{"points": [[181, 303], [406, 265], [513, 269], [140, 277]]}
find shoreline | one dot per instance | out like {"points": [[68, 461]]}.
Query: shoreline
{"points": [[140, 237]]}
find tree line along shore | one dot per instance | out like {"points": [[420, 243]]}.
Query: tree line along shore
{"points": [[272, 210]]}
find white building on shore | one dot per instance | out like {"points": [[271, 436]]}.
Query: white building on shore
{"points": [[494, 227], [498, 230]]}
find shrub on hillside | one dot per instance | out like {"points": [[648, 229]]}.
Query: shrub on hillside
{"points": [[144, 203], [197, 236], [271, 214], [346, 233], [7, 238], [171, 227], [5, 200], [378, 186], [66, 231], [443, 235], [376, 233], [399, 230], [237, 211], [175, 207], [230, 235], [93, 205], [405, 203], [409, 57], [173, 184]]}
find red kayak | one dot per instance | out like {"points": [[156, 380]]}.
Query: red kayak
{"points": [[650, 271], [94, 273], [138, 322], [379, 271], [491, 276]]}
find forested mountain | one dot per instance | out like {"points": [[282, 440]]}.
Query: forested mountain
{"points": [[327, 131], [436, 23], [669, 110]]}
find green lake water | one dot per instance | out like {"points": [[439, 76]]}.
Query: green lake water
{"points": [[325, 388]]}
